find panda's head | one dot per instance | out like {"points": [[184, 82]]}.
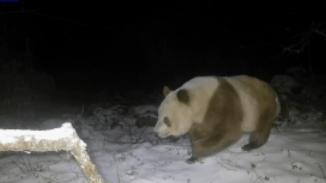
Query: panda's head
{"points": [[174, 113]]}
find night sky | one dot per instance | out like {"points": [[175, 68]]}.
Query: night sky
{"points": [[89, 46]]}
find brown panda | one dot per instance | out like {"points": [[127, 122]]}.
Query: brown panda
{"points": [[216, 111]]}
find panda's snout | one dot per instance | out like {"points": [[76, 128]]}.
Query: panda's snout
{"points": [[160, 130], [156, 128]]}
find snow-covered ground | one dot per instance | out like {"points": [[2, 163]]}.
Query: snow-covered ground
{"points": [[125, 153]]}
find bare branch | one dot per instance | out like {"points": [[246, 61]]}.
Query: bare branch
{"points": [[64, 138]]}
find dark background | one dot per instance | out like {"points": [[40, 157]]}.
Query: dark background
{"points": [[88, 47]]}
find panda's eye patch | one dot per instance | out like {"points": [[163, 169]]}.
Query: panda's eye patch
{"points": [[167, 121]]}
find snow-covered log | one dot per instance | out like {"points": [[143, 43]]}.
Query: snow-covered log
{"points": [[64, 138]]}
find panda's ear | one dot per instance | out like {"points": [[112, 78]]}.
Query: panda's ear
{"points": [[166, 91], [183, 96]]}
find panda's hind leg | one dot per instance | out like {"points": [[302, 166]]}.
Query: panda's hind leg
{"points": [[259, 137]]}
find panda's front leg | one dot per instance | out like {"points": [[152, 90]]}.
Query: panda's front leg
{"points": [[197, 150], [196, 140], [212, 144]]}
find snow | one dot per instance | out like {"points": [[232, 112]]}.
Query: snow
{"points": [[124, 153]]}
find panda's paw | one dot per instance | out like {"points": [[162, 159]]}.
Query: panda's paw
{"points": [[249, 147], [192, 160]]}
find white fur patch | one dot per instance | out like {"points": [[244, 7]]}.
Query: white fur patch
{"points": [[250, 105]]}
